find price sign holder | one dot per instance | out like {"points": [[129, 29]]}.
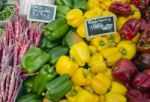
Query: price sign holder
{"points": [[100, 26], [41, 12]]}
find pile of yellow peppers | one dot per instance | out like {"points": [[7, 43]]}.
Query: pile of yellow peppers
{"points": [[89, 62]]}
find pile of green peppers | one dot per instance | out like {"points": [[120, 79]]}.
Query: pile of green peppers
{"points": [[40, 62]]}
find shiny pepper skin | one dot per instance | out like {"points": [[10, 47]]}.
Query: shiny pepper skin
{"points": [[114, 97], [112, 55], [65, 65], [113, 39], [100, 83], [78, 94], [142, 81], [124, 71], [119, 88], [93, 13], [75, 17], [127, 49], [100, 43], [81, 77], [130, 28], [120, 9], [97, 63], [80, 52], [91, 4], [81, 31]]}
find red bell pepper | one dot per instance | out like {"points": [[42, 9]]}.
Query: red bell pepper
{"points": [[124, 71], [142, 81], [144, 42], [130, 28], [120, 9], [141, 4]]}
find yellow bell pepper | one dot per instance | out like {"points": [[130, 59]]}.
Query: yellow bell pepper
{"points": [[80, 52], [113, 39], [93, 13], [135, 13], [118, 88], [102, 98], [75, 17], [81, 31], [81, 77], [91, 4], [92, 49], [106, 13], [121, 21], [100, 84], [108, 73], [65, 65], [78, 94], [114, 97], [112, 55], [127, 49], [100, 43], [97, 64]]}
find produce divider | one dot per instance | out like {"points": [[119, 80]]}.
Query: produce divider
{"points": [[75, 51]]}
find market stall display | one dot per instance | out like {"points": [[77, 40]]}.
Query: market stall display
{"points": [[93, 51]]}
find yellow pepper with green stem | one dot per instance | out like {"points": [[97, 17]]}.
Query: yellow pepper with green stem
{"points": [[135, 12], [81, 77], [100, 43], [112, 55], [127, 49], [75, 17], [100, 83], [78, 94], [97, 64], [113, 39], [65, 65], [80, 52]]}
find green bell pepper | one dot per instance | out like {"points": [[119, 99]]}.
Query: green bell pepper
{"points": [[28, 85], [71, 38], [81, 4], [45, 44], [57, 52], [68, 3], [46, 74], [55, 29], [57, 88], [34, 59], [29, 98], [62, 10]]}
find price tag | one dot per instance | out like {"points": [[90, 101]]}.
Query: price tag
{"points": [[41, 13], [100, 26]]}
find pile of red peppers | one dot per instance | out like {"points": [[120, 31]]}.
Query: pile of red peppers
{"points": [[135, 74]]}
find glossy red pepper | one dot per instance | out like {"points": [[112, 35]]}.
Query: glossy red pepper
{"points": [[124, 71], [120, 9], [145, 24], [141, 4], [147, 71], [135, 95], [130, 28], [142, 81], [144, 42]]}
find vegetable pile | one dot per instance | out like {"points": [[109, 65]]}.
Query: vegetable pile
{"points": [[58, 63]]}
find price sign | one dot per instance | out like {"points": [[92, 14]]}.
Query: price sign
{"points": [[100, 26], [41, 12]]}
